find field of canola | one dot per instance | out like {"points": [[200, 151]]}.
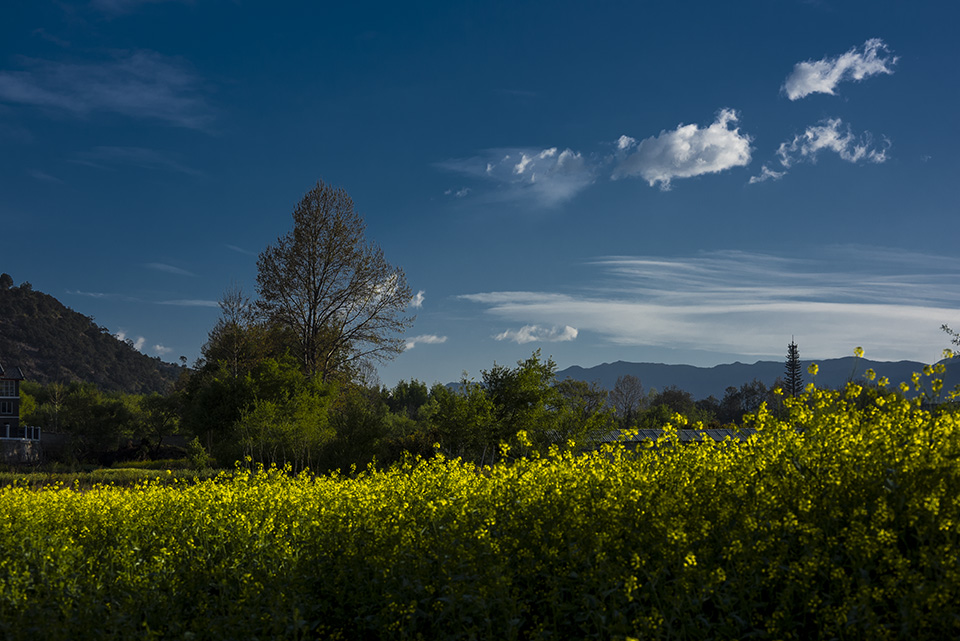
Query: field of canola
{"points": [[840, 520]]}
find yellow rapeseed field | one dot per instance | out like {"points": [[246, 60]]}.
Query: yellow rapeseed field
{"points": [[838, 519]]}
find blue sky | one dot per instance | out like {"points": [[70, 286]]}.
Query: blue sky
{"points": [[681, 182]]}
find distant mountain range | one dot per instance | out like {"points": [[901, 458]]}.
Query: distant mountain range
{"points": [[52, 343], [703, 382]]}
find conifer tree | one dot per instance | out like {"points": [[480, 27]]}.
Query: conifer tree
{"points": [[793, 385]]}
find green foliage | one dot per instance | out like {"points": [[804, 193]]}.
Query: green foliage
{"points": [[197, 455], [839, 520]]}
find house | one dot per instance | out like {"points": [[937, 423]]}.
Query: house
{"points": [[18, 443]]}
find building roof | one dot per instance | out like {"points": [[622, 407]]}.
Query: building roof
{"points": [[13, 373]]}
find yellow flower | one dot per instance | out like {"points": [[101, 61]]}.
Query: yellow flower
{"points": [[858, 352], [870, 374], [813, 369], [948, 353]]}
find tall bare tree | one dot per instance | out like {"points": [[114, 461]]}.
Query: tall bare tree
{"points": [[345, 302], [627, 397]]}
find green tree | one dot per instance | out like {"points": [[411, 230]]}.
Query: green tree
{"points": [[6, 281], [332, 288], [793, 385], [159, 418]]}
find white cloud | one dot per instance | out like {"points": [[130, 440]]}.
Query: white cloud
{"points": [[427, 339], [241, 250], [136, 84], [685, 152], [546, 176], [535, 333], [890, 302], [417, 301], [136, 344], [160, 350], [190, 303], [767, 174], [43, 176], [830, 135], [123, 6], [822, 76], [104, 157], [170, 269]]}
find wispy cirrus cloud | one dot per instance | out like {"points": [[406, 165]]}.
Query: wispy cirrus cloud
{"points": [[241, 250], [547, 177], [538, 334], [169, 269], [892, 303], [823, 76], [104, 295], [190, 302], [116, 7], [137, 84], [684, 152], [113, 157], [426, 339]]}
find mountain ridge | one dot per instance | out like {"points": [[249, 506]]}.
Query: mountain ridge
{"points": [[703, 382], [52, 343]]}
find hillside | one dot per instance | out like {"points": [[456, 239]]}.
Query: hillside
{"points": [[702, 382], [52, 343]]}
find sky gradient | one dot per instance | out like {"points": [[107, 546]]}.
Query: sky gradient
{"points": [[682, 182]]}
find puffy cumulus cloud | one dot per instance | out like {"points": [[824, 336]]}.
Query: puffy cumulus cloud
{"points": [[137, 84], [417, 300], [684, 152], [537, 334], [548, 177], [160, 350], [136, 343], [823, 76], [830, 135], [426, 339], [750, 304]]}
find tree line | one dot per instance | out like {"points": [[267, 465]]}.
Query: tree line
{"points": [[289, 376]]}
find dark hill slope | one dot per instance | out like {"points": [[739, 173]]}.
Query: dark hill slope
{"points": [[52, 343]]}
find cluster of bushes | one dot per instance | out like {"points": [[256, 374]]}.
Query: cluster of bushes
{"points": [[840, 518]]}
